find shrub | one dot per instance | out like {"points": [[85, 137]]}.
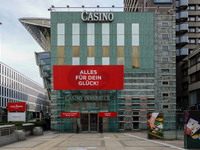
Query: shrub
{"points": [[18, 124]]}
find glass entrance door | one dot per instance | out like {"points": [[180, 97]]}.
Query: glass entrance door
{"points": [[84, 122], [93, 122]]}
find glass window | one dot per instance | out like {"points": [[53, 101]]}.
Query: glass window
{"points": [[120, 60], [165, 83], [164, 35], [191, 18], [135, 28], [135, 40], [198, 29], [164, 59], [198, 7], [105, 51], [120, 40], [120, 51], [192, 40], [198, 59], [135, 62], [105, 61], [61, 61], [75, 51], [90, 40], [191, 7], [164, 24], [105, 28], [75, 40], [135, 51], [198, 18], [60, 28], [199, 40], [193, 78], [191, 29], [165, 70], [75, 28], [90, 28], [165, 47], [90, 60], [61, 40], [60, 51], [120, 28], [75, 61], [105, 40], [90, 51]]}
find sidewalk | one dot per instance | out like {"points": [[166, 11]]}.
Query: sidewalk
{"points": [[94, 141]]}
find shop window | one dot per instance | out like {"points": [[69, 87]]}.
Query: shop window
{"points": [[164, 47], [136, 125], [165, 24], [90, 51]]}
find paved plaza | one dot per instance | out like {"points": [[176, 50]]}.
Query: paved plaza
{"points": [[93, 141]]}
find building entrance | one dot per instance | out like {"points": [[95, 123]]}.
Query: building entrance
{"points": [[89, 122]]}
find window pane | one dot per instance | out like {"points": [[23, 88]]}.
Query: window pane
{"points": [[75, 51], [164, 47], [135, 40], [90, 28], [75, 40], [120, 60], [198, 29], [75, 61], [105, 40], [135, 62], [75, 28], [191, 29], [199, 18], [192, 7], [199, 40], [164, 59], [61, 51], [164, 35], [105, 51], [164, 24], [105, 28], [135, 51], [90, 40], [105, 61], [120, 51], [120, 40], [61, 40], [135, 28], [60, 28], [90, 61], [90, 51], [120, 28], [61, 61]]}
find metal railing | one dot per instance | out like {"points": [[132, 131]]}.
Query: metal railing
{"points": [[7, 130]]}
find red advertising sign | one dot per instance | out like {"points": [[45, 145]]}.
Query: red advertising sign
{"points": [[20, 106], [107, 114], [69, 114], [95, 77]]}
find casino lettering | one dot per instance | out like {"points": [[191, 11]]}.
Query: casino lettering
{"points": [[85, 16]]}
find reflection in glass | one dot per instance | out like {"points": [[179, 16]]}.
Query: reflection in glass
{"points": [[90, 28], [120, 28], [75, 28], [120, 40], [105, 51], [75, 40], [61, 61], [60, 51], [60, 28], [90, 60], [90, 40], [105, 28], [135, 62], [75, 61], [120, 51], [105, 61], [90, 51], [135, 51], [135, 28], [75, 51], [61, 40], [135, 40], [105, 40], [120, 60]]}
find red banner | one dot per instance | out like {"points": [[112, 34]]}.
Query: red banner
{"points": [[69, 114], [107, 114], [87, 77], [20, 106]]}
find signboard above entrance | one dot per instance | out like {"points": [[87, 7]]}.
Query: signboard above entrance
{"points": [[20, 106], [88, 77], [69, 114], [107, 114]]}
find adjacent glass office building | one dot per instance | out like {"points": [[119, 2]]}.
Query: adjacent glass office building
{"points": [[141, 41]]}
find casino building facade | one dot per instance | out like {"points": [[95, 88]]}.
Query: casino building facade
{"points": [[142, 42]]}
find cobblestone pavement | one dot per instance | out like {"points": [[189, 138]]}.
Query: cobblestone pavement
{"points": [[93, 141]]}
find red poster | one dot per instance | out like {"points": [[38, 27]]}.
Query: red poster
{"points": [[107, 114], [69, 114], [20, 106], [95, 77]]}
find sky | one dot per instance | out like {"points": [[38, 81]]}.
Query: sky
{"points": [[17, 46]]}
